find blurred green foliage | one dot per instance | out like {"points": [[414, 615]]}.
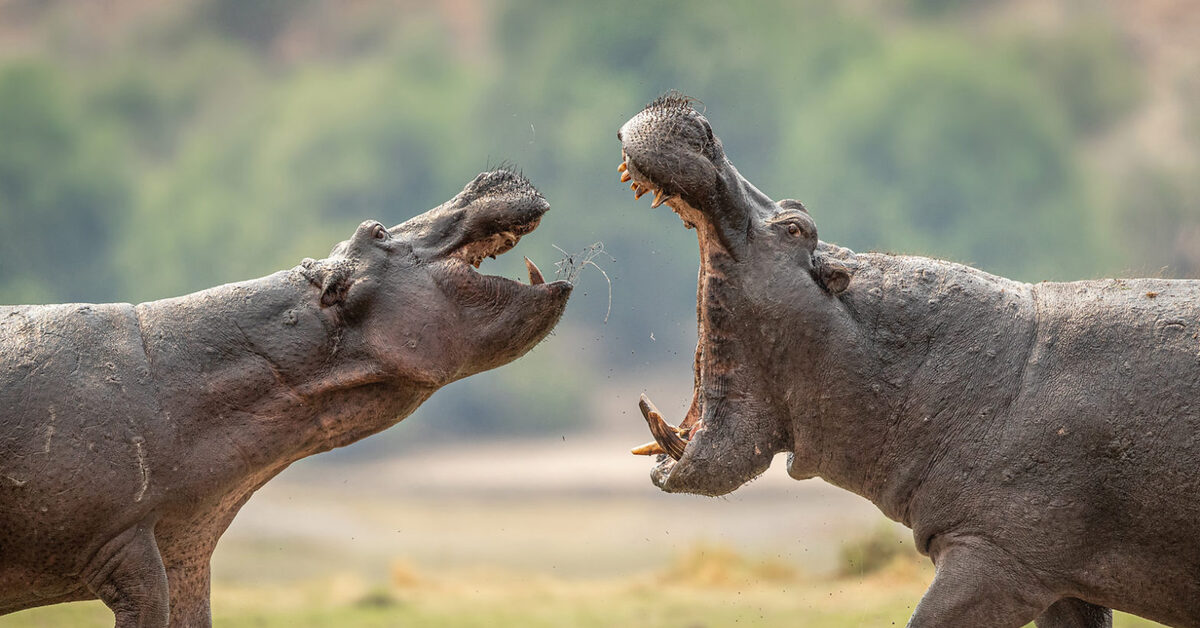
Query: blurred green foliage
{"points": [[950, 150], [188, 144], [62, 194], [1087, 72]]}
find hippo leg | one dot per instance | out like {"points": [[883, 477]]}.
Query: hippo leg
{"points": [[190, 593], [130, 579], [978, 585], [1073, 613]]}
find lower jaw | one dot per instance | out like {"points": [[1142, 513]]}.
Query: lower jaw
{"points": [[661, 471]]}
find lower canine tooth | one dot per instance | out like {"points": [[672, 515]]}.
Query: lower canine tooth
{"points": [[535, 275], [666, 435]]}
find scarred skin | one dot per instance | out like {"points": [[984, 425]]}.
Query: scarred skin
{"points": [[1042, 441], [130, 435]]}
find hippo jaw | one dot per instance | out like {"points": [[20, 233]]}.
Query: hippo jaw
{"points": [[413, 292], [728, 436], [502, 318]]}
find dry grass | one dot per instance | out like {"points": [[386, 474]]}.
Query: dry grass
{"points": [[706, 586]]}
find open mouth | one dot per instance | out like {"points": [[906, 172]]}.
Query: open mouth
{"points": [[492, 246], [669, 151], [486, 220], [672, 440]]}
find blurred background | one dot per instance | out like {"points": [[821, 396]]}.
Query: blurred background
{"points": [[151, 149]]}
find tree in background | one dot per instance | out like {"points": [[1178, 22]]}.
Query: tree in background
{"points": [[163, 150], [63, 196]]}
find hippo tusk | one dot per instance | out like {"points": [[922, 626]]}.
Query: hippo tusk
{"points": [[535, 275], [666, 435]]}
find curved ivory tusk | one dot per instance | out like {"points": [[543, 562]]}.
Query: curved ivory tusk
{"points": [[666, 435]]}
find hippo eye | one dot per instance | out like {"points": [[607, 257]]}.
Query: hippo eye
{"points": [[380, 232], [793, 228]]}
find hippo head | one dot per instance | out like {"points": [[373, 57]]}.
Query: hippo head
{"points": [[413, 299], [761, 271]]}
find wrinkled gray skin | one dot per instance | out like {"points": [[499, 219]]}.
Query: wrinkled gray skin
{"points": [[1042, 441], [131, 435]]}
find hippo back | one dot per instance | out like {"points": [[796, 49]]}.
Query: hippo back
{"points": [[66, 473]]}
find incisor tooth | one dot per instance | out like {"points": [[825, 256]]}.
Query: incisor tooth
{"points": [[625, 177], [659, 197], [621, 168], [651, 448], [639, 192]]}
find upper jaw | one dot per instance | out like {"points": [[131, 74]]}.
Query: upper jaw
{"points": [[487, 219], [669, 148], [694, 179], [488, 227]]}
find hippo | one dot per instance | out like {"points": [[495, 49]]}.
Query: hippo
{"points": [[131, 435], [1042, 441]]}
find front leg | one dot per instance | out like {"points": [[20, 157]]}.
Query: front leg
{"points": [[1073, 613], [979, 585], [188, 540], [130, 579], [190, 588]]}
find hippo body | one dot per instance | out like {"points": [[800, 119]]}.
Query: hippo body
{"points": [[109, 413], [1059, 422], [131, 435], [1042, 441]]}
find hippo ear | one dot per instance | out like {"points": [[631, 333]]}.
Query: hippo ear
{"points": [[833, 275], [334, 279], [791, 203], [335, 285]]}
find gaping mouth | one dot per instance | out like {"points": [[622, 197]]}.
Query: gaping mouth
{"points": [[727, 437], [473, 253], [670, 439]]}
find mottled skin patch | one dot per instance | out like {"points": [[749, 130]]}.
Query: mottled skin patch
{"points": [[1042, 441], [131, 435]]}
